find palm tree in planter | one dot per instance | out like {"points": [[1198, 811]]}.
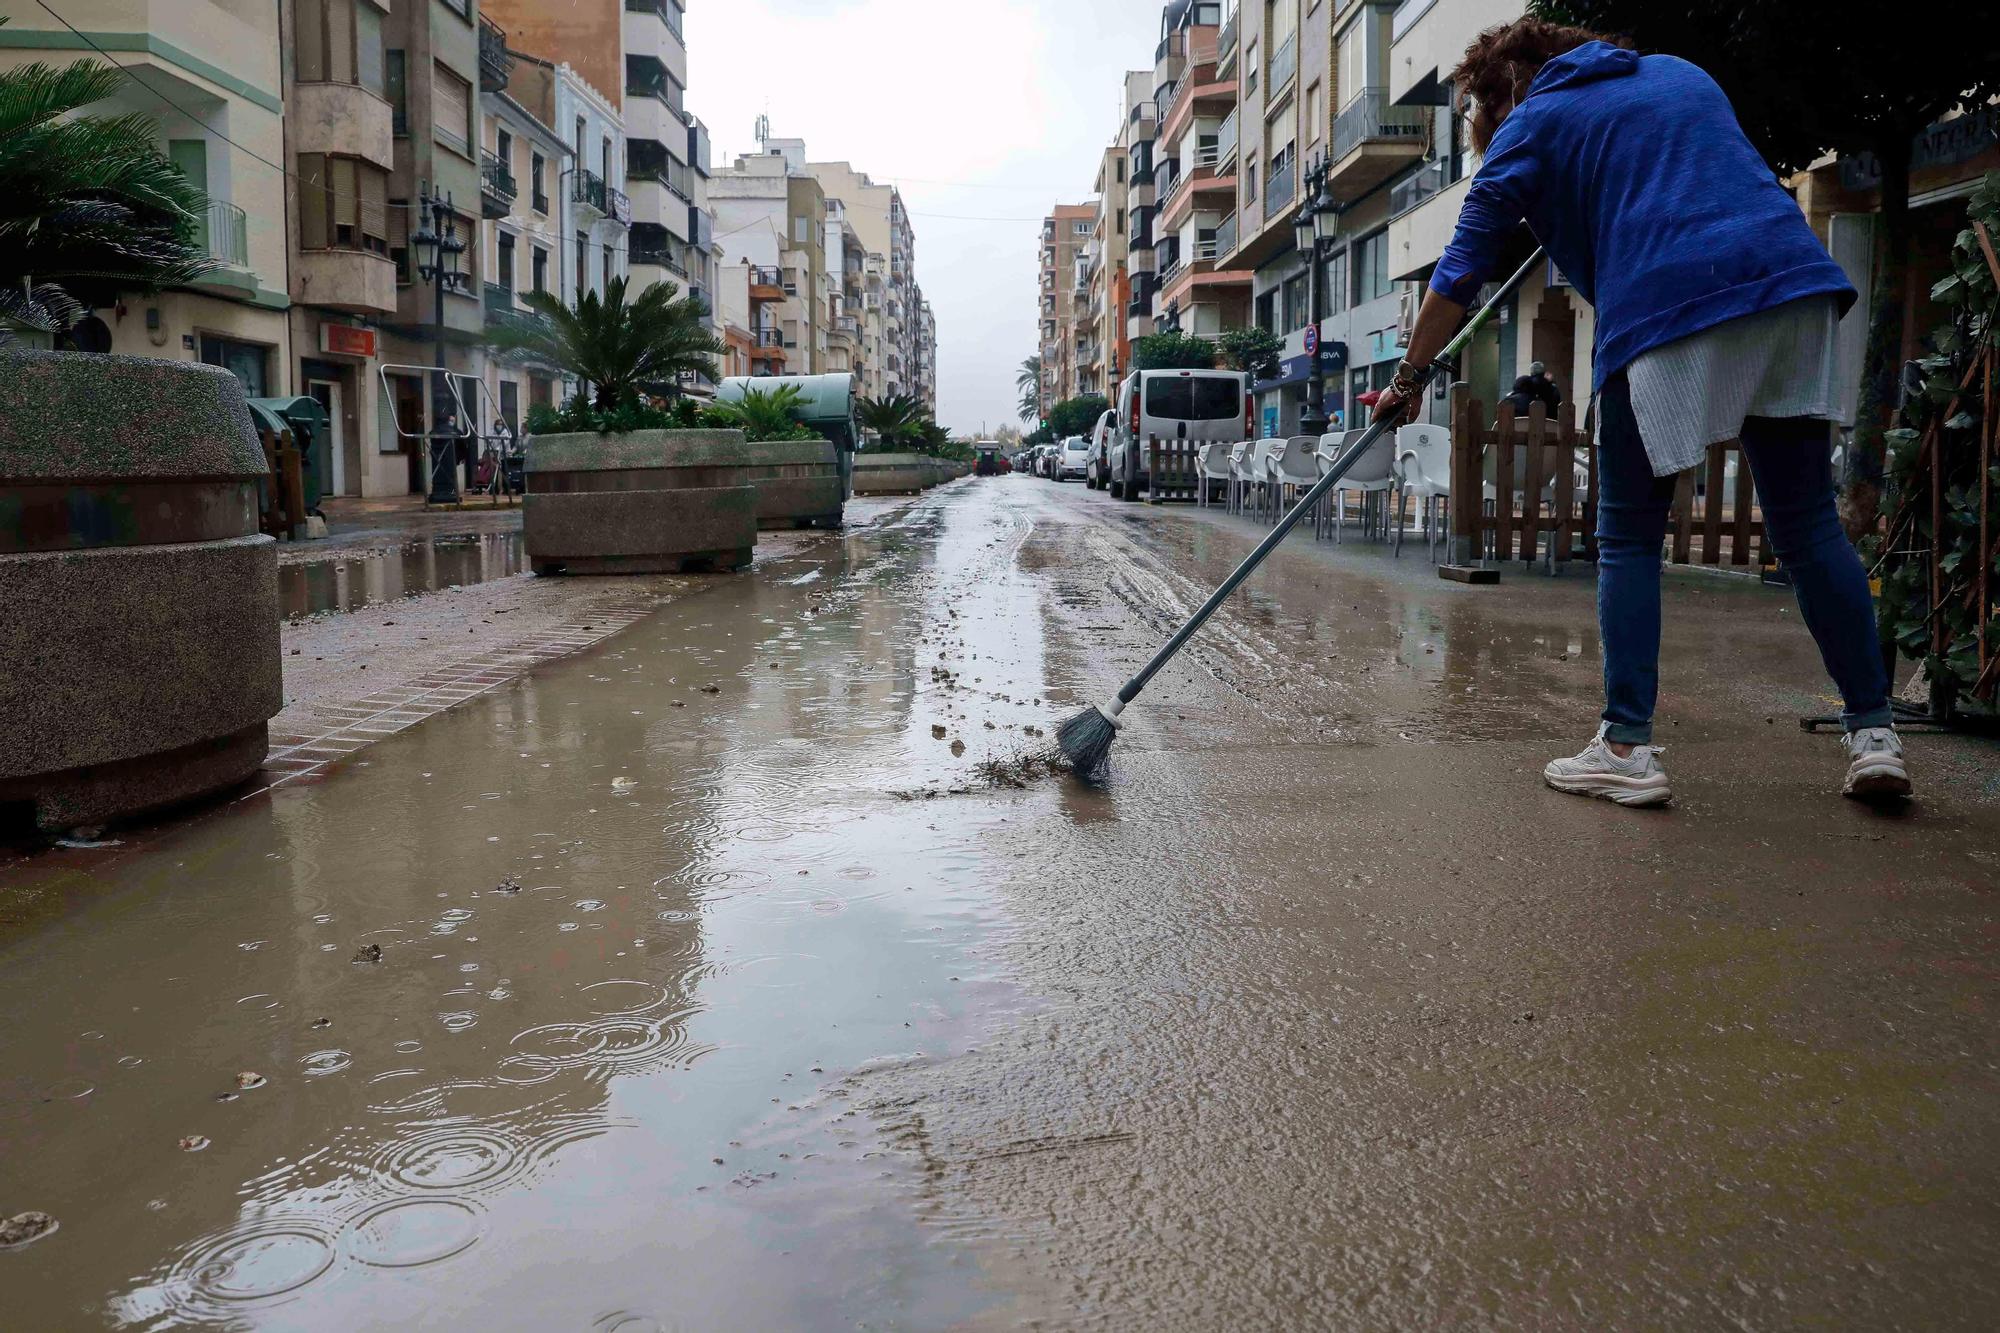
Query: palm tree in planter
{"points": [[623, 350], [897, 420], [88, 205]]}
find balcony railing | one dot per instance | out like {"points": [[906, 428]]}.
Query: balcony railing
{"points": [[1284, 64], [617, 205], [1278, 190], [499, 298], [770, 337], [1426, 181], [1225, 140], [1370, 117], [1225, 240], [497, 187], [668, 10], [766, 276], [1225, 41], [587, 187], [226, 231], [496, 63]]}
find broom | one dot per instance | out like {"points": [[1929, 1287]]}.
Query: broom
{"points": [[1085, 739]]}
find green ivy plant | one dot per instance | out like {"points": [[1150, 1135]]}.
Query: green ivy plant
{"points": [[1944, 428]]}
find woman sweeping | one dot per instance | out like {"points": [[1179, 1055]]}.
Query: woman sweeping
{"points": [[1716, 309]]}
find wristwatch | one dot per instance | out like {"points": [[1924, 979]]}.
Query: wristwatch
{"points": [[1407, 378]]}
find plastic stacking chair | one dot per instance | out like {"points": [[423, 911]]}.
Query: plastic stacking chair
{"points": [[1239, 468], [1212, 467], [1373, 474], [1291, 466], [1250, 475], [1423, 464]]}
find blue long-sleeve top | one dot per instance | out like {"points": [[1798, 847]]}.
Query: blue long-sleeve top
{"points": [[1634, 175]]}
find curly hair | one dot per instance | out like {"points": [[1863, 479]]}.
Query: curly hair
{"points": [[1503, 61]]}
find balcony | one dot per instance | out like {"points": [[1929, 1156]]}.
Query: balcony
{"points": [[767, 284], [344, 120], [668, 10], [497, 190], [1284, 67], [1373, 139], [617, 205], [496, 63], [770, 337], [1279, 189], [1419, 186], [225, 230], [501, 312], [586, 187]]}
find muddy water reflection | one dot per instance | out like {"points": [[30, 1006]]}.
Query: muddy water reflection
{"points": [[370, 577], [637, 917]]}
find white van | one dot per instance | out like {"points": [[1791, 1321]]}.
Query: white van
{"points": [[1193, 405]]}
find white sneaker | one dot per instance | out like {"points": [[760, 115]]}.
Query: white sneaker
{"points": [[1875, 771], [1635, 780]]}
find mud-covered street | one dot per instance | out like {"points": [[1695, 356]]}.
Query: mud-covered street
{"points": [[736, 972]]}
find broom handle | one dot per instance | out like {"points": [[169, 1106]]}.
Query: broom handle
{"points": [[1447, 359]]}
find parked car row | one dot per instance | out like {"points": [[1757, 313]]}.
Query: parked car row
{"points": [[1168, 405]]}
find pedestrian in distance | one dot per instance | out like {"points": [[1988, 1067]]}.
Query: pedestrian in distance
{"points": [[1535, 387], [1716, 314]]}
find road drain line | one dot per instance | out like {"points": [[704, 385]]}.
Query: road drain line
{"points": [[340, 729]]}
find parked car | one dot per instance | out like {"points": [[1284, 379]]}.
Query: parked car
{"points": [[1045, 462], [1099, 475], [1193, 405], [1071, 459]]}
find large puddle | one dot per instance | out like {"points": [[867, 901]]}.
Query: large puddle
{"points": [[544, 1016], [370, 577]]}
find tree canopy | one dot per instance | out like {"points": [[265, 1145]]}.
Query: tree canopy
{"points": [[1256, 350], [1172, 351], [1076, 416]]}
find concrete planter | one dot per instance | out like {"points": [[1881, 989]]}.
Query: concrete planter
{"points": [[648, 502], [138, 601], [798, 483], [894, 474]]}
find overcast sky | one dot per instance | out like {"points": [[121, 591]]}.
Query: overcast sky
{"points": [[976, 109]]}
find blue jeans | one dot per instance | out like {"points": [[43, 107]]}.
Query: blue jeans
{"points": [[1791, 464]]}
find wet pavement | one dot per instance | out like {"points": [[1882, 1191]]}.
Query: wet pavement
{"points": [[707, 979], [355, 579]]}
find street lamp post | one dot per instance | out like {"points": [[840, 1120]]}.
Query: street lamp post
{"points": [[1313, 229], [437, 231]]}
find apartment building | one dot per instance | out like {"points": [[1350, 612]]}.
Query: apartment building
{"points": [[846, 265], [926, 385], [771, 214], [580, 189], [1141, 130], [1202, 287], [214, 68], [524, 166], [340, 139], [882, 226], [750, 298], [1123, 205], [1063, 299], [639, 48]]}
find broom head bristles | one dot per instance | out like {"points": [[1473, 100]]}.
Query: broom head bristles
{"points": [[1085, 741]]}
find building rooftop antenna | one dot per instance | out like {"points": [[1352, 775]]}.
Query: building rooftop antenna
{"points": [[763, 130]]}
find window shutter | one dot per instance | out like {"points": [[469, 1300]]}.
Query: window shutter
{"points": [[375, 208], [313, 208]]}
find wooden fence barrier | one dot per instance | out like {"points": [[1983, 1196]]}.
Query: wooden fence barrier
{"points": [[1173, 468], [1704, 515], [1535, 451]]}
